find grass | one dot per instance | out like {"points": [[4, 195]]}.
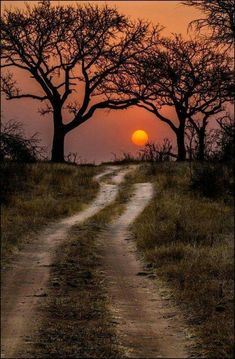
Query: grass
{"points": [[188, 239], [77, 323], [34, 194], [185, 237]]}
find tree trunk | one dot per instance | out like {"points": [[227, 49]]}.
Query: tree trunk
{"points": [[57, 154], [201, 149], [181, 145]]}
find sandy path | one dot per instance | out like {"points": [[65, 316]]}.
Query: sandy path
{"points": [[147, 327], [24, 285]]}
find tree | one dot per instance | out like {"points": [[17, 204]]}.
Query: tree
{"points": [[218, 141], [219, 19], [226, 138], [70, 52], [200, 125], [186, 75], [157, 152]]}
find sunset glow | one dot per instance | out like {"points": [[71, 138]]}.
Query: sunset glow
{"points": [[96, 140], [139, 138]]}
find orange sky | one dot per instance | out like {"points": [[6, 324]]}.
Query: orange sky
{"points": [[108, 131]]}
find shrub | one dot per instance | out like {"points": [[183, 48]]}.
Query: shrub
{"points": [[208, 179], [15, 146]]}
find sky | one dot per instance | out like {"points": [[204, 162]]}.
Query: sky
{"points": [[107, 132]]}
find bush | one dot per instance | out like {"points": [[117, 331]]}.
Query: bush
{"points": [[15, 146], [206, 179], [212, 179], [13, 178]]}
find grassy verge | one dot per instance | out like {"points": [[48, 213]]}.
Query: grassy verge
{"points": [[34, 194], [188, 241]]}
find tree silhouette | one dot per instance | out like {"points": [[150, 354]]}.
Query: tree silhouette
{"points": [[71, 52], [219, 19], [186, 75], [226, 138]]}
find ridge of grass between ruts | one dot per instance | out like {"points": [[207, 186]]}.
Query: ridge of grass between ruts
{"points": [[76, 322], [186, 239]]}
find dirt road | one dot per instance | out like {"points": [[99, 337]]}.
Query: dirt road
{"points": [[146, 326], [24, 284]]}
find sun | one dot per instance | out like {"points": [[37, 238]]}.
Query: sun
{"points": [[139, 137]]}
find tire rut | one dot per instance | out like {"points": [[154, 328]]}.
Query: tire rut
{"points": [[147, 327], [24, 284]]}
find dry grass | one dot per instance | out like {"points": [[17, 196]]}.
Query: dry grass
{"points": [[34, 194], [188, 240], [77, 323]]}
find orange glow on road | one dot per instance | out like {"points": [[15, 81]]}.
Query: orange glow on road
{"points": [[139, 138]]}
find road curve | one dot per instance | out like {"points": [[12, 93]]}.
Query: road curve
{"points": [[24, 285], [147, 326]]}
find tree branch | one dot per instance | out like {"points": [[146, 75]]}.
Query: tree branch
{"points": [[111, 104], [35, 97]]}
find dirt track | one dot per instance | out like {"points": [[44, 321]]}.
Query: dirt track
{"points": [[147, 327], [24, 284]]}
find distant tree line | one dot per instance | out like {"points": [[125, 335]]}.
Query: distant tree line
{"points": [[86, 57]]}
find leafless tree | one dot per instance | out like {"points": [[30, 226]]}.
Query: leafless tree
{"points": [[198, 139], [219, 19], [157, 152], [71, 52], [218, 142], [186, 75], [227, 124], [200, 126], [226, 137]]}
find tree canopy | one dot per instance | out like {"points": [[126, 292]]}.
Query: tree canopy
{"points": [[71, 52], [187, 75], [219, 19]]}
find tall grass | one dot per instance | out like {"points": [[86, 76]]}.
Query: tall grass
{"points": [[188, 240], [34, 194]]}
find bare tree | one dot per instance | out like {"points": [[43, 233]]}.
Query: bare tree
{"points": [[219, 20], [70, 52], [227, 124], [185, 75], [200, 126], [226, 138], [197, 137], [218, 142], [157, 152]]}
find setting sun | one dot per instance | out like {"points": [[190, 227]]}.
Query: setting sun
{"points": [[139, 137]]}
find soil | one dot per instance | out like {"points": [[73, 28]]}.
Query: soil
{"points": [[147, 326]]}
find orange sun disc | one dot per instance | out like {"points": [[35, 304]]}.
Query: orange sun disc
{"points": [[139, 137]]}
